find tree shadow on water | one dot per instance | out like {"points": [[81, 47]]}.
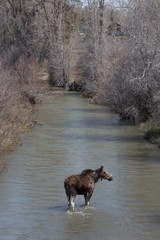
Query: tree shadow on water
{"points": [[90, 110], [102, 122], [154, 219], [102, 138]]}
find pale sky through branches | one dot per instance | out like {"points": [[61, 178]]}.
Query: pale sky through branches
{"points": [[116, 3]]}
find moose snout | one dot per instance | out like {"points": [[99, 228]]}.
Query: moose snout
{"points": [[110, 178]]}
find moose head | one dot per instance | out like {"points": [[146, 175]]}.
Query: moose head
{"points": [[104, 174]]}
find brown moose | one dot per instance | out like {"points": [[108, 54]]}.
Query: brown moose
{"points": [[84, 184]]}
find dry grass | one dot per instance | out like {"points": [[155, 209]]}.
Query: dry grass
{"points": [[17, 98], [151, 132], [18, 122], [18, 94]]}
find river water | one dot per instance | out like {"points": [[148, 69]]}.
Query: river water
{"points": [[74, 135]]}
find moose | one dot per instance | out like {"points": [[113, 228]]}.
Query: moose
{"points": [[84, 184]]}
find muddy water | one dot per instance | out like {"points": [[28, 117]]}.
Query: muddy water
{"points": [[74, 135]]}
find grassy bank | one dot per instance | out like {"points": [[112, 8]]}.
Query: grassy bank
{"points": [[17, 97], [19, 121], [151, 132], [18, 116]]}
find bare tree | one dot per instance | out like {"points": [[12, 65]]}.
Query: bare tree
{"points": [[134, 87]]}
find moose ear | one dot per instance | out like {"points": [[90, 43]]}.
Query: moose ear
{"points": [[101, 168]]}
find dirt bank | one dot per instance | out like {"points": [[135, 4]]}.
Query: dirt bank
{"points": [[21, 116], [18, 121]]}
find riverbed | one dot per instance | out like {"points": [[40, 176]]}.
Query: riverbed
{"points": [[72, 135]]}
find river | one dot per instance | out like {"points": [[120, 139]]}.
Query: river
{"points": [[74, 135]]}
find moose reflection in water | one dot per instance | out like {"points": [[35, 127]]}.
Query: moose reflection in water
{"points": [[84, 184]]}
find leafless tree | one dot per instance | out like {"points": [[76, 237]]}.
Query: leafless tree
{"points": [[133, 90]]}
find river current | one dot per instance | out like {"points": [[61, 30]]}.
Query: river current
{"points": [[72, 135]]}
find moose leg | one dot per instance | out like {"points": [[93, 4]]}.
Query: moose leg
{"points": [[73, 201], [69, 201], [85, 198], [88, 198]]}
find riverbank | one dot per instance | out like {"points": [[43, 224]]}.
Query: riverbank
{"points": [[20, 117], [10, 129], [151, 132]]}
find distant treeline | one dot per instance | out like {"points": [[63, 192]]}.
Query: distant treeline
{"points": [[121, 51]]}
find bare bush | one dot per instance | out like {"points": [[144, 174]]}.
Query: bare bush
{"points": [[7, 91], [17, 93], [133, 88], [126, 68]]}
